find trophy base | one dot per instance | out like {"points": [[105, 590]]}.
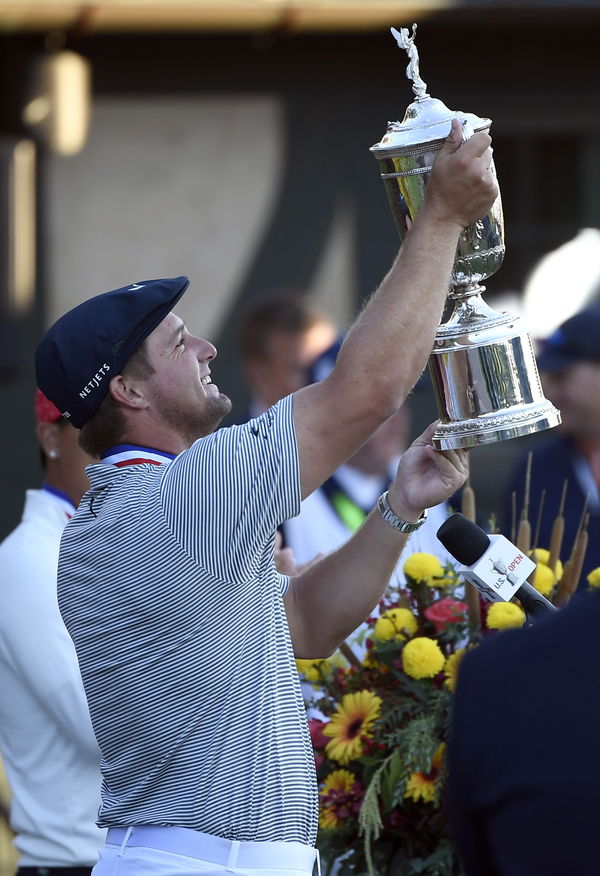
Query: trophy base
{"points": [[485, 377], [498, 427]]}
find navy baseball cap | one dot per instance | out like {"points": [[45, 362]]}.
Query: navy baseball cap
{"points": [[575, 340], [85, 348]]}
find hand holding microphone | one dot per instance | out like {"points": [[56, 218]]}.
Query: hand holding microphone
{"points": [[495, 566]]}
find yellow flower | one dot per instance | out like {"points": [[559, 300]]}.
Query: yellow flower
{"points": [[422, 658], [541, 555], [338, 780], [425, 567], [503, 615], [451, 668], [543, 579], [396, 623], [352, 719], [314, 670], [593, 578], [311, 670], [422, 786], [371, 661]]}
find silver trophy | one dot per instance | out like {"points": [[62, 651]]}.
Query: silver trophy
{"points": [[482, 364]]}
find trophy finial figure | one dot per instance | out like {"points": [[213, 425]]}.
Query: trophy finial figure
{"points": [[407, 42]]}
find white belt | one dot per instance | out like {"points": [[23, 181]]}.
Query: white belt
{"points": [[223, 852]]}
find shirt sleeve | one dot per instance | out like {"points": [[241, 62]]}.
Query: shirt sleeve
{"points": [[226, 495]]}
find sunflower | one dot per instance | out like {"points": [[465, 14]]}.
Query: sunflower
{"points": [[423, 786], [352, 720], [337, 786]]}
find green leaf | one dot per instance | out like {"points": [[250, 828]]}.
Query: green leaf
{"points": [[392, 775]]}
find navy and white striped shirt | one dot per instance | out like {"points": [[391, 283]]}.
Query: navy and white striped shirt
{"points": [[168, 589]]}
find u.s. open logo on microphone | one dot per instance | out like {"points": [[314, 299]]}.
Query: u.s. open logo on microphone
{"points": [[512, 566], [500, 571], [506, 571]]}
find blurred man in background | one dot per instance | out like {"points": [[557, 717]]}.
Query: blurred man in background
{"points": [[48, 747], [335, 510], [279, 338], [569, 366], [286, 343]]}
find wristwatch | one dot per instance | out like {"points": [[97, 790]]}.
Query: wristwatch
{"points": [[392, 518]]}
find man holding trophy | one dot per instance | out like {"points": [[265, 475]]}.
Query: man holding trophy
{"points": [[185, 633]]}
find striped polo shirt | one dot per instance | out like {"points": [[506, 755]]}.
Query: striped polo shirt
{"points": [[168, 588]]}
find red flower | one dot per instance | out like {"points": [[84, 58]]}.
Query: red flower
{"points": [[317, 737], [446, 611]]}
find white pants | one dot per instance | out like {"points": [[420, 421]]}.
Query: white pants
{"points": [[178, 851]]}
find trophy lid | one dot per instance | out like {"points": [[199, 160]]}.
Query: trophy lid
{"points": [[427, 120]]}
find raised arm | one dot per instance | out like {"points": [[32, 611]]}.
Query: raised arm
{"points": [[332, 597], [387, 348]]}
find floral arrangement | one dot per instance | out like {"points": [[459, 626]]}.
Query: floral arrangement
{"points": [[379, 742], [379, 717]]}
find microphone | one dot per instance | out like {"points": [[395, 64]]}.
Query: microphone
{"points": [[497, 568]]}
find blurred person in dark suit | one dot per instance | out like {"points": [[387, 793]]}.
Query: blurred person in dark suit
{"points": [[49, 751], [569, 365], [524, 780]]}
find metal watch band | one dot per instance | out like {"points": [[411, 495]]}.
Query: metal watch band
{"points": [[392, 519]]}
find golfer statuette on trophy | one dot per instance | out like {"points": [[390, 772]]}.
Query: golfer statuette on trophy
{"points": [[482, 364]]}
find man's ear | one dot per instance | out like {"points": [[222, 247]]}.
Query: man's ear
{"points": [[128, 392], [48, 435]]}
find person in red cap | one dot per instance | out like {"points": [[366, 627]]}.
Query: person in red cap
{"points": [[48, 747], [186, 635]]}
